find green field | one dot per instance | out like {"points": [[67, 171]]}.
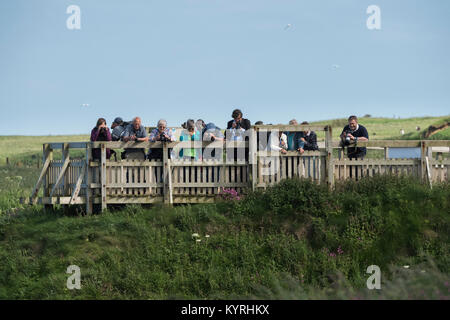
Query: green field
{"points": [[297, 240]]}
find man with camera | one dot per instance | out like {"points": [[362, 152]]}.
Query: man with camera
{"points": [[135, 131], [161, 133], [235, 131], [352, 133]]}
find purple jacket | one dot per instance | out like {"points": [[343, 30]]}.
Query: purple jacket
{"points": [[96, 152]]}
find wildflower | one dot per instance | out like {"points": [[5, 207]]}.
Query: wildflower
{"points": [[406, 267], [195, 235], [339, 250], [207, 236], [198, 240]]}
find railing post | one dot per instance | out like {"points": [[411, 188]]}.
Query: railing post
{"points": [[88, 180], [423, 164], [103, 176], [253, 148], [48, 154], [166, 191], [386, 153], [329, 149]]}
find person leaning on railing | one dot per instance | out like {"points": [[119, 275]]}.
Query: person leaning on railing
{"points": [[135, 131], [294, 139], [190, 134], [118, 128], [236, 129], [161, 133], [351, 134], [100, 133], [309, 138]]}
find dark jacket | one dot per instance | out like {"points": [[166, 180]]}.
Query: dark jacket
{"points": [[310, 141], [96, 135], [357, 152], [245, 124]]}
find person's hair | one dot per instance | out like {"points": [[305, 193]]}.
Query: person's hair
{"points": [[100, 121], [353, 118], [305, 122], [293, 122], [135, 118], [258, 123], [190, 124], [200, 124], [162, 121], [236, 113]]}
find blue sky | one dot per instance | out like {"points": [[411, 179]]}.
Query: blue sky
{"points": [[203, 58]]}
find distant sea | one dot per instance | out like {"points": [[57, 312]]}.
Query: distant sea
{"points": [[404, 153]]}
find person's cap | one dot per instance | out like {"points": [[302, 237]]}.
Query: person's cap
{"points": [[118, 120]]}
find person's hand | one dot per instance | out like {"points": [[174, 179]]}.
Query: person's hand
{"points": [[283, 151], [351, 137], [303, 139], [133, 137], [300, 150], [233, 125]]}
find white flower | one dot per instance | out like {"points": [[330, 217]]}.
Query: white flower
{"points": [[198, 240], [195, 235], [406, 267], [206, 235]]}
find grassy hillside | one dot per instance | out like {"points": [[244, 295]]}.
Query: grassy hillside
{"points": [[388, 128], [296, 240]]}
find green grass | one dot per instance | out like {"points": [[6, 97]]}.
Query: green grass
{"points": [[386, 128], [282, 243], [28, 149]]}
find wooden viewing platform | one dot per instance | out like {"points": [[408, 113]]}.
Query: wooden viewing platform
{"points": [[87, 182]]}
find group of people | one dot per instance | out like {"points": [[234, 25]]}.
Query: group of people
{"points": [[300, 141]]}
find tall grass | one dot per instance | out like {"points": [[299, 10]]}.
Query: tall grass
{"points": [[296, 232]]}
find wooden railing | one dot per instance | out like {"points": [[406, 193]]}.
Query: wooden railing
{"points": [[172, 180]]}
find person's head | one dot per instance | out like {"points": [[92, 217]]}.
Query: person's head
{"points": [[352, 122], [237, 115], [257, 123], [100, 121], [136, 123], [305, 123], [293, 122], [162, 125], [190, 125], [200, 124], [117, 122]]}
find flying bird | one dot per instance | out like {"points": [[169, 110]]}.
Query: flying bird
{"points": [[336, 66], [288, 26], [85, 105]]}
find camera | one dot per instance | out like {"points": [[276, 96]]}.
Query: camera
{"points": [[345, 140], [163, 137]]}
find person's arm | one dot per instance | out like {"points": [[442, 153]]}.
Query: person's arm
{"points": [[94, 134], [312, 143], [298, 137], [152, 137], [144, 135], [247, 124]]}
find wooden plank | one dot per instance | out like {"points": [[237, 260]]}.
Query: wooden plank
{"points": [[66, 162], [103, 176], [88, 180], [329, 149], [48, 158], [77, 188]]}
